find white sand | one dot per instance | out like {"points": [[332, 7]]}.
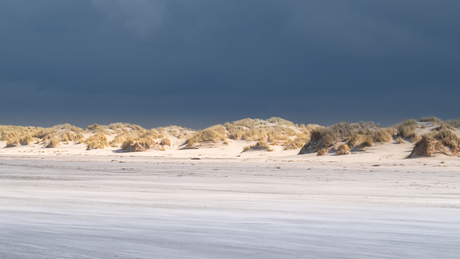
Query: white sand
{"points": [[103, 204]]}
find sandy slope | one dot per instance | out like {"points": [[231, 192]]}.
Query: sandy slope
{"points": [[102, 204]]}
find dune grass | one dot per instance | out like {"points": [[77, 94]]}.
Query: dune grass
{"points": [[431, 119], [399, 140], [407, 127], [141, 145], [212, 134], [367, 142], [322, 152], [261, 145], [454, 123], [353, 135], [12, 142], [443, 141], [96, 128], [165, 142], [18, 135], [274, 131], [343, 149], [97, 141], [298, 141], [53, 143], [281, 121]]}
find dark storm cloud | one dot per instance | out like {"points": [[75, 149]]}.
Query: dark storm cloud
{"points": [[202, 62]]}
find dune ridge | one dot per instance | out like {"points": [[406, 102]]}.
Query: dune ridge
{"points": [[428, 137]]}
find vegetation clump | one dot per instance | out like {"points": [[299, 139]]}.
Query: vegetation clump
{"points": [[454, 123], [431, 119], [135, 146], [261, 145], [322, 138], [298, 141], [275, 131], [354, 135], [165, 142], [12, 142], [53, 143], [280, 121], [212, 134], [399, 140], [97, 141], [141, 145], [322, 152], [407, 127], [343, 149], [368, 142], [443, 142]]}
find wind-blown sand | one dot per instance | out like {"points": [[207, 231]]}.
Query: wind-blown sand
{"points": [[103, 204]]}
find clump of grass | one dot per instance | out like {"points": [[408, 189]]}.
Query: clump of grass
{"points": [[45, 134], [120, 128], [53, 143], [153, 133], [249, 123], [79, 138], [96, 128], [399, 140], [165, 142], [140, 145], [443, 142], [261, 145], [212, 134], [320, 139], [68, 136], [117, 141], [407, 127], [12, 142], [343, 150], [381, 136], [431, 119], [236, 134], [427, 147], [444, 126], [15, 133], [255, 134], [26, 140], [275, 137], [127, 144], [97, 141], [134, 146], [368, 137], [368, 142], [353, 134], [447, 137], [275, 130], [322, 152], [413, 137], [280, 121], [454, 123], [298, 142], [355, 140]]}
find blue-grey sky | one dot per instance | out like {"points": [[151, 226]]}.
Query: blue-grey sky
{"points": [[200, 62]]}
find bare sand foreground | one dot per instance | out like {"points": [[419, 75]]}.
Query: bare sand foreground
{"points": [[217, 203]]}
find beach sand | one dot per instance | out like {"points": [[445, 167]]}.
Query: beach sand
{"points": [[219, 203]]}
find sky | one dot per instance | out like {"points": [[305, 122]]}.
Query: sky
{"points": [[197, 63]]}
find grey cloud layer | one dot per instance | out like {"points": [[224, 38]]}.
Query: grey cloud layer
{"points": [[132, 52]]}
